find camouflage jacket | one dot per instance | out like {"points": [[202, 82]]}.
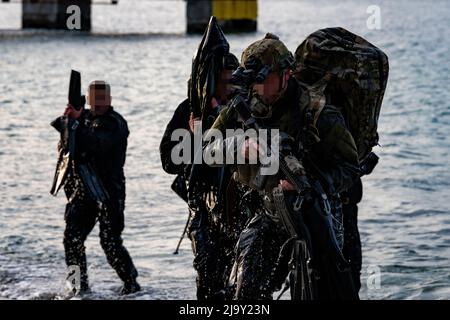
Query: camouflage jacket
{"points": [[330, 157]]}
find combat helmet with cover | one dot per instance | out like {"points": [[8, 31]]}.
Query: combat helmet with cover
{"points": [[269, 52], [258, 60]]}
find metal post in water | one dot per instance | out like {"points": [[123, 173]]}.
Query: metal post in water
{"points": [[232, 15], [54, 14]]}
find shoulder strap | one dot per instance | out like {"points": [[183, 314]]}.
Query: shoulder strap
{"points": [[317, 98], [312, 102]]}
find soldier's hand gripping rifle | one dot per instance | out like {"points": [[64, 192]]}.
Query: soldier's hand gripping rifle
{"points": [[67, 127]]}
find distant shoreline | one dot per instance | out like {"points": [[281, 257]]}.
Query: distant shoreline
{"points": [[30, 33]]}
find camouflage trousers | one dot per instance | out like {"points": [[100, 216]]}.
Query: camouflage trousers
{"points": [[261, 261], [255, 275]]}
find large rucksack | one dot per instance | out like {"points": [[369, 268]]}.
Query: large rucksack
{"points": [[355, 74]]}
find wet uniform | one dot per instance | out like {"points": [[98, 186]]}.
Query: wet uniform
{"points": [[255, 273], [101, 141]]}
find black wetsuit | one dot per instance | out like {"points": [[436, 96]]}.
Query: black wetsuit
{"points": [[101, 141]]}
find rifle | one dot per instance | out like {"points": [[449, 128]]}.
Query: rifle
{"points": [[67, 127], [179, 187], [76, 99]]}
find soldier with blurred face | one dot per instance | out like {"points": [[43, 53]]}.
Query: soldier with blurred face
{"points": [[100, 145]]}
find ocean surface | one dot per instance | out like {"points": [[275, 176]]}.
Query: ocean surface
{"points": [[141, 48]]}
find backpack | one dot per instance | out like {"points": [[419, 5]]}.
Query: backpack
{"points": [[355, 74]]}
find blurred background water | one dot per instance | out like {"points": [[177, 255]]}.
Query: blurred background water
{"points": [[140, 47]]}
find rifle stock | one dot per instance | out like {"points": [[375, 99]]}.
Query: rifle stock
{"points": [[76, 99]]}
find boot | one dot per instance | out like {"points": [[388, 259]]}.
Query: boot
{"points": [[130, 287]]}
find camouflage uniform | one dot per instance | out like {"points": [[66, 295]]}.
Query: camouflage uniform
{"points": [[330, 147]]}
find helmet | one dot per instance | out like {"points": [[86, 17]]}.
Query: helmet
{"points": [[267, 52]]}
